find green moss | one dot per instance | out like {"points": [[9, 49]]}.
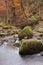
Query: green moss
{"points": [[34, 20], [30, 47], [7, 27], [27, 31]]}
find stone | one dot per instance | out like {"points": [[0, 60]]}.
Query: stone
{"points": [[26, 32], [30, 46]]}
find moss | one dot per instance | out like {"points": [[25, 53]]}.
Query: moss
{"points": [[40, 30], [27, 31], [34, 20], [30, 47], [7, 27]]}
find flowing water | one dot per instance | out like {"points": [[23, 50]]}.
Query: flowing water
{"points": [[10, 56]]}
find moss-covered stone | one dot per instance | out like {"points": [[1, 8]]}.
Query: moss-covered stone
{"points": [[27, 31], [7, 27], [34, 18], [31, 46]]}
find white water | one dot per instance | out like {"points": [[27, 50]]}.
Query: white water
{"points": [[10, 56]]}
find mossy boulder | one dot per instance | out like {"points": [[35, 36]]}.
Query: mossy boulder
{"points": [[30, 46], [26, 32]]}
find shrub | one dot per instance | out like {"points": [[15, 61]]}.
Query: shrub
{"points": [[34, 20]]}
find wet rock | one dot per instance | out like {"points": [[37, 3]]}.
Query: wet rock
{"points": [[38, 35], [10, 30], [17, 43], [16, 31], [30, 46], [40, 30], [7, 27], [26, 32], [2, 34], [41, 35]]}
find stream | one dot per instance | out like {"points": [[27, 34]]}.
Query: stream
{"points": [[10, 56]]}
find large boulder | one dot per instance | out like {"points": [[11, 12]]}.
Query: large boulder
{"points": [[30, 46], [26, 32]]}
